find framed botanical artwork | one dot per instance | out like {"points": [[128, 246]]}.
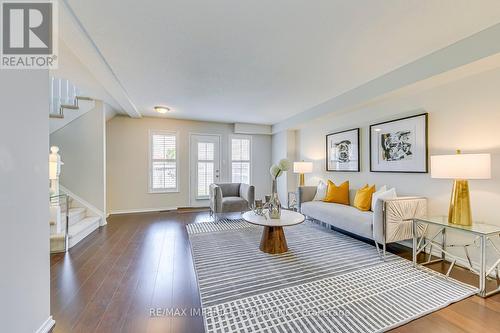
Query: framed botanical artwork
{"points": [[342, 151], [399, 145]]}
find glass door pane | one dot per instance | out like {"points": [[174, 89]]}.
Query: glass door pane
{"points": [[205, 166]]}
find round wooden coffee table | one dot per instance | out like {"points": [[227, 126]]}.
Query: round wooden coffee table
{"points": [[273, 237]]}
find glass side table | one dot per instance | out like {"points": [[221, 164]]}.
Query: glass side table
{"points": [[292, 201], [482, 237]]}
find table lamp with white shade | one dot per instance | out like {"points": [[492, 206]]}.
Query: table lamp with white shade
{"points": [[301, 168], [461, 168]]}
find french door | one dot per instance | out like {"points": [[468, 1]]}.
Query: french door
{"points": [[204, 166]]}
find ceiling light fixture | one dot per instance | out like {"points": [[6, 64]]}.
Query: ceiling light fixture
{"points": [[162, 109]]}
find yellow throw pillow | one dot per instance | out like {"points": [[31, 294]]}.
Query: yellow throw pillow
{"points": [[363, 198], [337, 194]]}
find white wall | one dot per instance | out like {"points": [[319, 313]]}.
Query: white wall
{"points": [[24, 240], [284, 146], [82, 145], [463, 114], [71, 68], [128, 154]]}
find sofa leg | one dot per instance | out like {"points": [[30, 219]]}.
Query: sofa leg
{"points": [[376, 246], [381, 252]]}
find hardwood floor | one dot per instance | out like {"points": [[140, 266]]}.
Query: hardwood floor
{"points": [[114, 279]]}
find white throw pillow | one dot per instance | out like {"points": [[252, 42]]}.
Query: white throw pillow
{"points": [[375, 195], [320, 191], [389, 194]]}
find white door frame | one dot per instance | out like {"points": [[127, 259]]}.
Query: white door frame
{"points": [[192, 203]]}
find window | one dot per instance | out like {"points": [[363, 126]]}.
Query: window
{"points": [[240, 160], [163, 164]]}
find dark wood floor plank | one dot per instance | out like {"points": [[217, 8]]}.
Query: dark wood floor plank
{"points": [[72, 303], [100, 235], [80, 255], [137, 314], [87, 321], [163, 288], [113, 279], [115, 314], [78, 271]]}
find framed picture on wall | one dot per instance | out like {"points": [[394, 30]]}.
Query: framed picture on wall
{"points": [[342, 151], [399, 145]]}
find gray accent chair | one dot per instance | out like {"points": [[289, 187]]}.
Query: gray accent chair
{"points": [[230, 197]]}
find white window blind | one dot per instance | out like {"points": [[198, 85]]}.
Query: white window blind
{"points": [[206, 157], [163, 171], [240, 160]]}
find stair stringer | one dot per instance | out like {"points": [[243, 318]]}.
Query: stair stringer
{"points": [[84, 106]]}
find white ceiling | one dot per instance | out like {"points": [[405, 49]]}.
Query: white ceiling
{"points": [[264, 61]]}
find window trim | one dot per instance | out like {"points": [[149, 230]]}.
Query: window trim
{"points": [[230, 154], [150, 162]]}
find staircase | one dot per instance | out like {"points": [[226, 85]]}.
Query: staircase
{"points": [[74, 106], [81, 222], [66, 96], [70, 220]]}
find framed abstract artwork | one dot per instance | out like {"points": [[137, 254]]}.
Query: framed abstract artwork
{"points": [[342, 151], [400, 145]]}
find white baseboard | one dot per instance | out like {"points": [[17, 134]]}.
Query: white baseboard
{"points": [[87, 205], [46, 326], [140, 210]]}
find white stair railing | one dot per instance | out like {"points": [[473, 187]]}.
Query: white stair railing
{"points": [[64, 95]]}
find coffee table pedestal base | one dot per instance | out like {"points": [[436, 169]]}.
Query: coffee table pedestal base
{"points": [[273, 240]]}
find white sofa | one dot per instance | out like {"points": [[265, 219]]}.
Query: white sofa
{"points": [[390, 222]]}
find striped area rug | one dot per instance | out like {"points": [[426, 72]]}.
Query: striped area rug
{"points": [[326, 282]]}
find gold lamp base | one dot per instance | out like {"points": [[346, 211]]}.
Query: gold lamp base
{"points": [[460, 212], [301, 179]]}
